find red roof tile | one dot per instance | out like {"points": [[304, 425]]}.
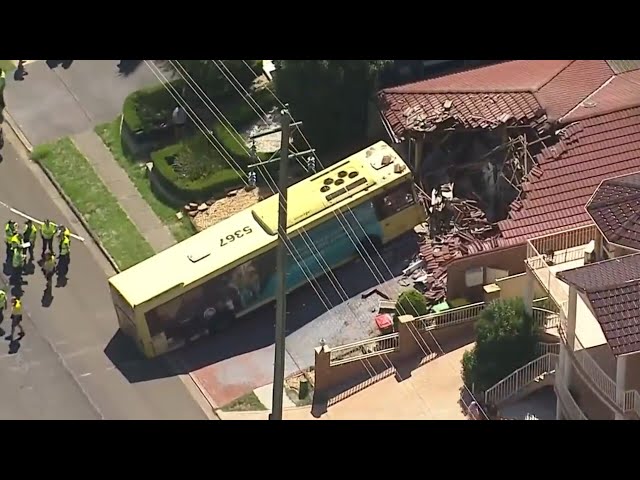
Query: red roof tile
{"points": [[615, 208], [471, 110], [597, 148], [572, 85], [612, 288], [622, 91], [513, 76]]}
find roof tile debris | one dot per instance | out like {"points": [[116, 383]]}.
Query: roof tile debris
{"points": [[568, 173], [456, 228], [615, 208], [425, 112], [612, 288]]}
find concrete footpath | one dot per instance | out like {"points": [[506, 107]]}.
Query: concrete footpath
{"points": [[431, 392], [120, 185]]}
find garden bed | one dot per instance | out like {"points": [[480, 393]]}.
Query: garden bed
{"points": [[165, 210]]}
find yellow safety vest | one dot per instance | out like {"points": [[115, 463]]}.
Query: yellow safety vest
{"points": [[15, 241], [65, 245], [48, 231], [30, 234], [3, 299], [9, 232], [18, 258], [50, 264], [17, 308]]}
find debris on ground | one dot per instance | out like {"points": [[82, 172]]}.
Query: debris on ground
{"points": [[204, 215], [456, 227]]}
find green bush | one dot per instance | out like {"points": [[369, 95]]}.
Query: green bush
{"points": [[143, 110], [506, 340], [412, 302], [193, 170]]}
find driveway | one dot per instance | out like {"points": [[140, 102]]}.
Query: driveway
{"points": [[431, 392], [241, 360], [56, 102]]}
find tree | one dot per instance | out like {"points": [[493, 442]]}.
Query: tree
{"points": [[210, 77], [411, 302], [331, 97], [506, 340]]}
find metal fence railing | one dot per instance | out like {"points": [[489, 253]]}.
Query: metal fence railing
{"points": [[515, 382], [454, 316], [364, 349]]}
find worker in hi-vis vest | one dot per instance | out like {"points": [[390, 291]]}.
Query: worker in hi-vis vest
{"points": [[10, 229], [16, 317], [30, 234], [47, 232]]}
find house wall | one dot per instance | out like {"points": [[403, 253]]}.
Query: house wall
{"points": [[514, 285], [510, 259]]}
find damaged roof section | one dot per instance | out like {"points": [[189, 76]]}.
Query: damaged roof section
{"points": [[615, 209], [516, 92]]}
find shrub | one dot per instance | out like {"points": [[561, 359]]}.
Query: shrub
{"points": [[506, 340], [144, 110], [193, 170], [412, 302]]}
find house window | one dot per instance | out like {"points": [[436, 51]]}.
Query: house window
{"points": [[474, 277]]}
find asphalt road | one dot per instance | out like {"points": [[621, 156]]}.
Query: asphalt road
{"points": [[56, 102], [69, 365]]}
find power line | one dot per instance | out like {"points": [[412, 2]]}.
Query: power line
{"points": [[376, 250]]}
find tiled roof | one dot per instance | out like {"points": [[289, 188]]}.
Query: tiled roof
{"points": [[621, 91], [471, 110], [512, 76], [572, 85], [568, 173], [612, 288], [486, 97], [622, 66], [615, 208]]}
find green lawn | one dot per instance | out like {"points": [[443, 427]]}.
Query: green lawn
{"points": [[246, 403], [94, 201], [110, 134]]}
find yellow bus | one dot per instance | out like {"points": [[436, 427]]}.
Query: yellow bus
{"points": [[204, 283]]}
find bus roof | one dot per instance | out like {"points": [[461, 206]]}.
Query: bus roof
{"points": [[203, 254]]}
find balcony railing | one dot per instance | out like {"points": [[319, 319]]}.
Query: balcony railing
{"points": [[556, 249], [454, 316], [595, 375]]}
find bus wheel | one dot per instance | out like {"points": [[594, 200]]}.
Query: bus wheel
{"points": [[372, 244]]}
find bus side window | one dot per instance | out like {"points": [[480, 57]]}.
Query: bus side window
{"points": [[393, 201]]}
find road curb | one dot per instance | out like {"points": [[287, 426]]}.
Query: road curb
{"points": [[16, 129], [27, 144]]}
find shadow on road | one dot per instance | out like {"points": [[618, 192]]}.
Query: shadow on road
{"points": [[59, 63], [127, 67], [257, 330]]}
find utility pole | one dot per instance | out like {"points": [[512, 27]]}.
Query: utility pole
{"points": [[281, 257], [281, 270]]}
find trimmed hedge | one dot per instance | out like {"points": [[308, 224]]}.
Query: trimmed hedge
{"points": [[143, 110], [192, 170]]}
